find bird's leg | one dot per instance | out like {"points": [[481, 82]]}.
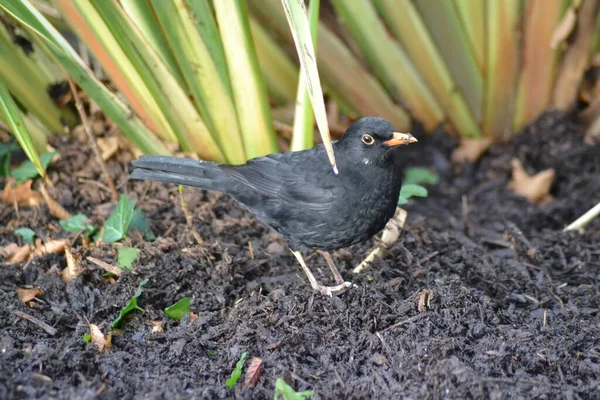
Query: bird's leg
{"points": [[336, 274], [326, 290]]}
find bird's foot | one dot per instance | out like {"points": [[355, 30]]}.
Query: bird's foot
{"points": [[328, 290]]}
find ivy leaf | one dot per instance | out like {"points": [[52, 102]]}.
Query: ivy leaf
{"points": [[27, 169], [5, 150], [117, 225], [132, 305], [179, 309], [126, 257], [26, 234], [77, 223], [420, 176], [139, 222], [411, 190], [286, 392], [237, 372]]}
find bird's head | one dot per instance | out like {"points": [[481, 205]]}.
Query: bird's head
{"points": [[372, 141]]}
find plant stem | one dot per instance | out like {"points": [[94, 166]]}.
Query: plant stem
{"points": [[90, 135], [586, 218]]}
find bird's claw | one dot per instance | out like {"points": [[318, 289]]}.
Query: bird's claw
{"points": [[328, 290]]}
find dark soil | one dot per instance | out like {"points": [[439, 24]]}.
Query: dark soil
{"points": [[514, 309]]}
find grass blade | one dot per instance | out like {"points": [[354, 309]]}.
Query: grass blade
{"points": [[341, 71], [181, 114], [249, 90], [13, 117], [295, 13], [60, 49], [281, 75], [115, 60], [304, 128], [446, 29], [26, 80], [210, 89], [405, 22], [389, 61], [536, 77], [472, 16], [502, 20]]}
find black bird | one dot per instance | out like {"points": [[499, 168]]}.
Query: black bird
{"points": [[300, 196]]}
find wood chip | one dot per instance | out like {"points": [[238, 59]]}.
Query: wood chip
{"points": [[157, 326], [26, 295], [56, 246], [55, 208], [108, 146], [471, 150], [21, 194], [49, 330], [73, 269], [105, 266], [536, 188]]}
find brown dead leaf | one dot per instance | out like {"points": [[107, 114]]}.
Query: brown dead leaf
{"points": [[564, 28], [56, 246], [108, 146], [73, 269], [55, 208], [21, 194], [424, 300], [157, 326], [536, 188], [98, 339], [26, 295], [13, 254], [253, 372], [471, 150]]}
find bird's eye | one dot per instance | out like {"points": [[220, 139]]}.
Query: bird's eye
{"points": [[368, 139]]}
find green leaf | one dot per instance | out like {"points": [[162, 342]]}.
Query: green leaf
{"points": [[26, 234], [179, 309], [411, 190], [87, 337], [419, 176], [237, 372], [286, 392], [131, 306], [77, 223], [126, 257], [117, 225], [9, 112], [28, 171], [139, 222]]}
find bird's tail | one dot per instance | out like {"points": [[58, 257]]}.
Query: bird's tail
{"points": [[181, 171]]}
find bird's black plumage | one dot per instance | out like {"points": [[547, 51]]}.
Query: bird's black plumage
{"points": [[298, 194]]}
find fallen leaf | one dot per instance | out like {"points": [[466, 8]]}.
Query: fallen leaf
{"points": [[108, 146], [56, 246], [157, 326], [390, 234], [73, 269], [98, 339], [253, 372], [55, 208], [563, 29], [470, 150], [536, 188], [21, 194], [26, 295], [13, 254]]}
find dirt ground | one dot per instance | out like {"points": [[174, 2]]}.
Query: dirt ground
{"points": [[514, 302]]}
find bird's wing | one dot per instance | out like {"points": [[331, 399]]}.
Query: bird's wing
{"points": [[301, 179]]}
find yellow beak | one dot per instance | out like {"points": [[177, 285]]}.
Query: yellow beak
{"points": [[401, 139]]}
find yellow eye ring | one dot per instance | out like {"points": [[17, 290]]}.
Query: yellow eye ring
{"points": [[368, 139]]}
